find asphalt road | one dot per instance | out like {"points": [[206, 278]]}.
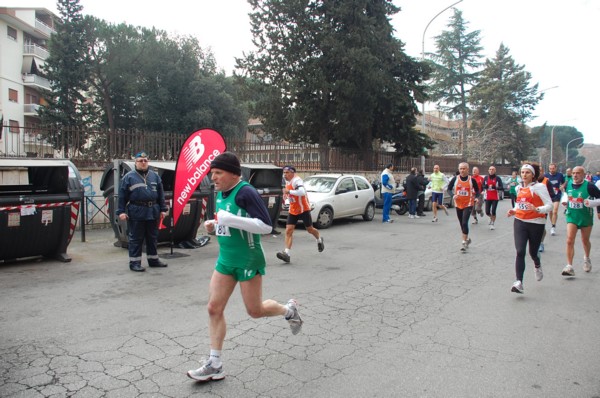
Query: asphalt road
{"points": [[391, 310]]}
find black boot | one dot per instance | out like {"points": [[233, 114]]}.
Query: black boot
{"points": [[136, 267], [157, 264]]}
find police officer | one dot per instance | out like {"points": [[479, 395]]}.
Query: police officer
{"points": [[142, 204]]}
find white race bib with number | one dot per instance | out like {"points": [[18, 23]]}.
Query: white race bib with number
{"points": [[574, 204], [522, 206], [463, 192], [222, 230]]}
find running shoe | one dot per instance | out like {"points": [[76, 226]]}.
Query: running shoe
{"points": [[552, 231], [568, 270], [539, 275], [417, 216], [321, 242], [385, 222], [541, 249], [587, 264], [475, 221], [283, 256], [295, 321], [468, 242], [411, 216], [445, 210], [517, 287], [434, 219], [492, 226], [207, 372], [463, 248]]}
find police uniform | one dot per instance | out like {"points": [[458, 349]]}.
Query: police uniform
{"points": [[142, 198]]}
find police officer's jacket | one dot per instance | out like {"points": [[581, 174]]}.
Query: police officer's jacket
{"points": [[141, 196]]}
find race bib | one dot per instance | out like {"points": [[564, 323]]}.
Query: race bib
{"points": [[522, 206], [463, 192], [575, 204], [222, 230]]}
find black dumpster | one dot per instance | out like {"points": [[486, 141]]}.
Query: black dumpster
{"points": [[267, 179], [194, 212], [39, 206]]}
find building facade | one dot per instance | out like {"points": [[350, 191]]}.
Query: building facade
{"points": [[24, 35]]}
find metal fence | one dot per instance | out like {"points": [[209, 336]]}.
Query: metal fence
{"points": [[91, 147]]}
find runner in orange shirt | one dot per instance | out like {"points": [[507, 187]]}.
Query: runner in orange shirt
{"points": [[295, 194], [465, 189], [532, 204]]}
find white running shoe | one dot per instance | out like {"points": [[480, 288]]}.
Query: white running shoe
{"points": [[552, 231], [568, 270], [434, 219], [206, 372], [464, 246], [517, 287], [415, 216], [411, 216], [587, 264], [468, 242], [539, 275], [492, 226], [295, 321]]}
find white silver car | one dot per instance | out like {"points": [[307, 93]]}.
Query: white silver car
{"points": [[333, 196]]}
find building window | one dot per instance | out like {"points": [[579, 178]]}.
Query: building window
{"points": [[11, 32], [13, 126], [13, 95]]}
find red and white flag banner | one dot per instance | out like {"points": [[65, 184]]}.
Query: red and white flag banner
{"points": [[193, 164]]}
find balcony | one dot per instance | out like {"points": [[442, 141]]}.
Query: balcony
{"points": [[32, 80], [31, 109], [42, 27], [35, 50]]}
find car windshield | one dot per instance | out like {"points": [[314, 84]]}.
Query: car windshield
{"points": [[319, 184]]}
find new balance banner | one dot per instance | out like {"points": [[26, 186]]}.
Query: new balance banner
{"points": [[201, 148]]}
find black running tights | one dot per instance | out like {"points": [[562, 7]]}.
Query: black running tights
{"points": [[463, 218], [490, 207], [526, 232]]}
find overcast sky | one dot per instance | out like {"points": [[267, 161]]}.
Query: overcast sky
{"points": [[553, 39]]}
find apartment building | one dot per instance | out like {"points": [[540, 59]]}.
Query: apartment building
{"points": [[24, 34]]}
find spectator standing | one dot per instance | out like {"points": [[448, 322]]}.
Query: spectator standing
{"points": [[142, 204], [423, 182], [388, 187], [412, 192]]}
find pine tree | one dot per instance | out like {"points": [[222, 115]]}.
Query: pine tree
{"points": [[455, 70], [67, 72], [334, 74], [503, 102]]}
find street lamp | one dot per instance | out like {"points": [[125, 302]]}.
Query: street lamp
{"points": [[567, 152], [423, 59], [552, 132], [552, 139]]}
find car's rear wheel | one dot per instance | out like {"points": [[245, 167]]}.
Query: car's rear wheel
{"points": [[369, 213], [324, 219]]}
